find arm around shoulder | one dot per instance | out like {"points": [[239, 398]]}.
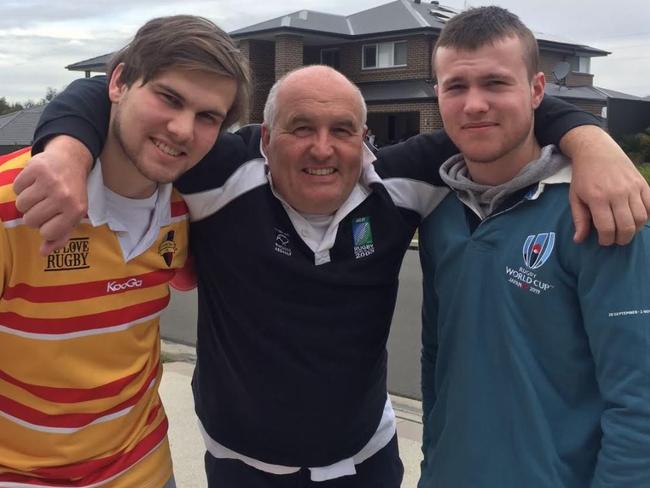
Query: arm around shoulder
{"points": [[606, 187], [51, 190], [81, 111]]}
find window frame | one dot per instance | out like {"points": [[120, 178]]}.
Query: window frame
{"points": [[330, 49], [376, 46]]}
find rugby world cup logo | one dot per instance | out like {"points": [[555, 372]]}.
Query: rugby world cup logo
{"points": [[537, 249]]}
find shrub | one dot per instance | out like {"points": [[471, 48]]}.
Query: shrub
{"points": [[637, 146]]}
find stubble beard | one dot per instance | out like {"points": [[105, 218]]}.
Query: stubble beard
{"points": [[130, 154], [511, 146]]}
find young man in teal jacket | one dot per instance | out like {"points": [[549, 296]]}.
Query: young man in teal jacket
{"points": [[535, 363]]}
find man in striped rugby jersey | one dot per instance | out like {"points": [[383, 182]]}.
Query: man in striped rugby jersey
{"points": [[79, 338]]}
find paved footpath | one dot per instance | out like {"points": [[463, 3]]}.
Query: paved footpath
{"points": [[187, 445]]}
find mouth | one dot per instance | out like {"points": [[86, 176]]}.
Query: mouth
{"points": [[319, 171], [479, 125], [166, 149]]}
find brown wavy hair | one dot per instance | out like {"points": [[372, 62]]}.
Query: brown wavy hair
{"points": [[185, 42]]}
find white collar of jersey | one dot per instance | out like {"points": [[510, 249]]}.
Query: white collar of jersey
{"points": [[320, 244], [561, 177], [98, 215]]}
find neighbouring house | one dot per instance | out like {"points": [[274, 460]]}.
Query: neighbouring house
{"points": [[386, 51], [17, 128], [97, 64]]}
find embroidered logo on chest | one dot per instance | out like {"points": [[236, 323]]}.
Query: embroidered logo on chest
{"points": [[282, 242], [362, 235], [535, 252], [168, 248], [74, 255]]}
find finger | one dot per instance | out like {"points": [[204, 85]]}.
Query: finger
{"points": [[624, 221], [39, 214], [605, 224], [24, 180], [645, 196], [581, 220], [639, 211], [28, 197], [48, 247], [58, 227]]}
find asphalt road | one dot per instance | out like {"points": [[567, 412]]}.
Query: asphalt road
{"points": [[178, 324]]}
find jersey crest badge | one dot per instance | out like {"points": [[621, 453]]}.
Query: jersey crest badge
{"points": [[362, 235], [167, 248], [537, 249]]}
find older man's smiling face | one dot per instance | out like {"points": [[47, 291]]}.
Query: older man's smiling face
{"points": [[314, 145]]}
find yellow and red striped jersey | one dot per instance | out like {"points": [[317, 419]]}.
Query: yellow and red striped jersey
{"points": [[80, 352]]}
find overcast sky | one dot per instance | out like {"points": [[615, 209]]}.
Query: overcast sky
{"points": [[39, 38]]}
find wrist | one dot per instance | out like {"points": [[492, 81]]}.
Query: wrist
{"points": [[67, 148]]}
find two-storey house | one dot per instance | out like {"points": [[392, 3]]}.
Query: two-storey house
{"points": [[386, 51]]}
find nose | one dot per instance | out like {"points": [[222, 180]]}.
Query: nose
{"points": [[322, 146], [475, 102], [181, 126]]}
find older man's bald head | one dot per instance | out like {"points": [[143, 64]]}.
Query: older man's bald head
{"points": [[314, 76]]}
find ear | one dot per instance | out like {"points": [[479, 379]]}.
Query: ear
{"points": [[537, 85], [116, 88], [266, 138], [365, 132], [435, 89]]}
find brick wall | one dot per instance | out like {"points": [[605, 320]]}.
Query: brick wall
{"points": [[429, 113], [270, 60], [261, 55], [418, 64], [548, 60], [288, 54], [579, 79], [594, 107]]}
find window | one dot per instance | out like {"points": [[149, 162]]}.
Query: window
{"points": [[581, 64], [331, 57], [384, 55]]}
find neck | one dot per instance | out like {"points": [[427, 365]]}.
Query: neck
{"points": [[501, 170], [120, 174]]}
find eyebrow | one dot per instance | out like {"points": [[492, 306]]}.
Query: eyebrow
{"points": [[299, 119], [302, 119], [455, 79], [497, 76], [347, 123], [167, 88], [489, 76]]}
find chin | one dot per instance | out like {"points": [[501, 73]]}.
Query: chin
{"points": [[319, 208], [160, 177], [479, 155]]}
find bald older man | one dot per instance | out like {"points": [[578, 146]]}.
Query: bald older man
{"points": [[291, 370], [298, 254]]}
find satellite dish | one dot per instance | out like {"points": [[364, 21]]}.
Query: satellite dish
{"points": [[560, 72]]}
